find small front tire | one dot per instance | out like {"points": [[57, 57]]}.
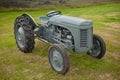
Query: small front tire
{"points": [[58, 59], [99, 47]]}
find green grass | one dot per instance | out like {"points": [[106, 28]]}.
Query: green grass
{"points": [[15, 65]]}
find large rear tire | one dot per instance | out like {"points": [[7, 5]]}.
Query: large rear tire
{"points": [[99, 47], [24, 34], [58, 59]]}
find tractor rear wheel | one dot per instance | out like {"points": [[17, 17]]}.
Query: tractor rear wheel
{"points": [[58, 59], [99, 47], [24, 34]]}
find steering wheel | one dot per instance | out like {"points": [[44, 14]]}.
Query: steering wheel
{"points": [[52, 13]]}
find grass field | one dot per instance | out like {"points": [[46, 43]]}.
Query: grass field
{"points": [[15, 65]]}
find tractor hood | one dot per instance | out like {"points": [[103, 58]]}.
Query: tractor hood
{"points": [[67, 20]]}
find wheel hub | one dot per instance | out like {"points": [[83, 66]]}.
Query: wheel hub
{"points": [[96, 49], [21, 37], [57, 60]]}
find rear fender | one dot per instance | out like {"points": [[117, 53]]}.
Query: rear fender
{"points": [[30, 18]]}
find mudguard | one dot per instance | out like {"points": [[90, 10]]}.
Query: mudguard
{"points": [[32, 21]]}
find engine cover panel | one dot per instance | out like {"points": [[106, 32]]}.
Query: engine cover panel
{"points": [[68, 21]]}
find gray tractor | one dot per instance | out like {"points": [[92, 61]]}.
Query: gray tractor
{"points": [[63, 32]]}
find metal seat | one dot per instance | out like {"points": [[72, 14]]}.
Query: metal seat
{"points": [[44, 19]]}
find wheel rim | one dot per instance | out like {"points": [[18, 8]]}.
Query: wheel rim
{"points": [[20, 36], [96, 50], [56, 59]]}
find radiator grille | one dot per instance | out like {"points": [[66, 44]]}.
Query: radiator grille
{"points": [[83, 37]]}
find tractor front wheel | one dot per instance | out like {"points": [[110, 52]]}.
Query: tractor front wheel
{"points": [[99, 47], [58, 59]]}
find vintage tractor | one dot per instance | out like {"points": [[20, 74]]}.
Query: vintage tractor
{"points": [[64, 32]]}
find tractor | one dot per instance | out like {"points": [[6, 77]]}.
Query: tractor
{"points": [[63, 33]]}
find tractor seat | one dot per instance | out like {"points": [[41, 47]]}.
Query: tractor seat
{"points": [[44, 19]]}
